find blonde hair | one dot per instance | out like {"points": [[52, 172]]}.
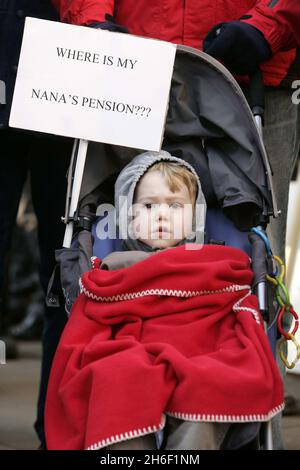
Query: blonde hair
{"points": [[176, 174]]}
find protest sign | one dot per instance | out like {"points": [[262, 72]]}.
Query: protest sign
{"points": [[93, 84]]}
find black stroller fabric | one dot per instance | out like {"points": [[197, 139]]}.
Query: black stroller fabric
{"points": [[73, 262]]}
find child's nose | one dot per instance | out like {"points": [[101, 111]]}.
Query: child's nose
{"points": [[163, 212]]}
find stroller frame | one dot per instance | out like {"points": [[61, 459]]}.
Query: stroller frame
{"points": [[79, 153]]}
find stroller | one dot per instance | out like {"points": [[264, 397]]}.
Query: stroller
{"points": [[209, 125]]}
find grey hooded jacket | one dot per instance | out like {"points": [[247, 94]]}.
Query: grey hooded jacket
{"points": [[124, 194]]}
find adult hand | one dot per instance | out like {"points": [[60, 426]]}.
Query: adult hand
{"points": [[240, 46], [109, 25]]}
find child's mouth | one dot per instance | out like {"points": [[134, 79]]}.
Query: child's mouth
{"points": [[162, 230]]}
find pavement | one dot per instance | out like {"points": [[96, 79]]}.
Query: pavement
{"points": [[19, 381], [291, 422]]}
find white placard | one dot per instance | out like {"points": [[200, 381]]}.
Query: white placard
{"points": [[93, 84]]}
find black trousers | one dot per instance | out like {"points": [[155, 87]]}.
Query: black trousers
{"points": [[46, 159]]}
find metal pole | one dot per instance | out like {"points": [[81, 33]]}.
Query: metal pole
{"points": [[262, 301], [78, 175], [269, 436], [258, 120]]}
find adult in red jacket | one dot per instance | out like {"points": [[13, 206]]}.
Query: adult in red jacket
{"points": [[244, 35], [188, 23]]}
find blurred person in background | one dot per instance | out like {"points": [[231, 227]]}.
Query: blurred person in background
{"points": [[24, 306]]}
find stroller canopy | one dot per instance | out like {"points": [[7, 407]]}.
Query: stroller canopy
{"points": [[210, 125]]}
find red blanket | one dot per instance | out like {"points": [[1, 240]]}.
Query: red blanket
{"points": [[178, 333]]}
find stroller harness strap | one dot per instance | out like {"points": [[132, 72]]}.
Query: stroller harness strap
{"points": [[177, 334]]}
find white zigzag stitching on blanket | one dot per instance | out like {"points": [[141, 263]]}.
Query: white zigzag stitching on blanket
{"points": [[237, 308], [160, 292], [227, 418], [93, 259], [128, 435]]}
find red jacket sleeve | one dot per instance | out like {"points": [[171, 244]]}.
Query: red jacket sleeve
{"points": [[288, 12], [280, 23], [82, 12]]}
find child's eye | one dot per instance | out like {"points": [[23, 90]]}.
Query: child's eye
{"points": [[148, 205], [175, 205]]}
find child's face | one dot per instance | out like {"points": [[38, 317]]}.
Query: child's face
{"points": [[162, 218]]}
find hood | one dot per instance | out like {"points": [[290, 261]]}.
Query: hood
{"points": [[124, 193]]}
